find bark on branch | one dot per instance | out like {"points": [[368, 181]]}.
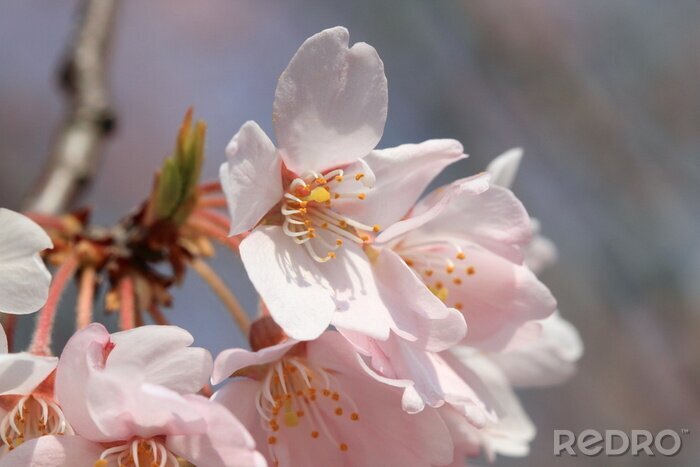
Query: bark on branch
{"points": [[90, 117]]}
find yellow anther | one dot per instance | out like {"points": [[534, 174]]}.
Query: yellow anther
{"points": [[364, 238], [457, 281], [338, 178], [470, 270], [314, 434], [354, 416], [101, 463], [428, 272], [343, 447], [376, 228], [319, 195], [361, 196], [321, 181], [461, 255], [439, 292], [359, 176], [339, 242], [459, 306], [331, 254], [450, 269], [270, 440], [409, 262]]}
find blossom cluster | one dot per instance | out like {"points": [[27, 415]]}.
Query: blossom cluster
{"points": [[393, 326]]}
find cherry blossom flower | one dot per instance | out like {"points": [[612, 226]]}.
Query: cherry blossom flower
{"points": [[314, 204], [312, 403], [541, 251], [24, 280], [509, 433], [129, 397], [545, 352], [466, 241], [28, 408]]}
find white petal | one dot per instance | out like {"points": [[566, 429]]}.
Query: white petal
{"points": [[330, 103], [164, 357], [21, 373], [402, 174], [252, 177], [547, 359], [20, 236], [231, 360], [504, 168], [53, 451], [24, 279], [289, 282]]}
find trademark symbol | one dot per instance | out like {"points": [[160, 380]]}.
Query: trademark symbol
{"points": [[685, 431]]}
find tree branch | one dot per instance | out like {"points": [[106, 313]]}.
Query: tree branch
{"points": [[89, 118]]}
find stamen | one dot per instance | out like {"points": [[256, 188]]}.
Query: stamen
{"points": [[309, 201]]}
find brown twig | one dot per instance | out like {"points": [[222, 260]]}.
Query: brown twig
{"points": [[90, 117]]}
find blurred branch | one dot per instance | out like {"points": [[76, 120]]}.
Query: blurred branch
{"points": [[90, 117]]}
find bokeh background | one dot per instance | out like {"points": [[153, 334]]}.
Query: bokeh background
{"points": [[603, 96]]}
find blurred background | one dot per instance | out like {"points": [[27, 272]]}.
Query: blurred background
{"points": [[603, 96]]}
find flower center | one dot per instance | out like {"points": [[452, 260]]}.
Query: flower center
{"points": [[309, 217], [296, 396], [138, 453], [441, 266], [31, 417]]}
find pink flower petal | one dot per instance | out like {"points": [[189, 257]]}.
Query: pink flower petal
{"points": [[231, 360], [495, 219], [288, 280], [548, 359], [164, 356], [83, 354], [330, 103], [252, 177], [123, 407], [225, 442], [504, 168], [402, 174], [53, 451]]}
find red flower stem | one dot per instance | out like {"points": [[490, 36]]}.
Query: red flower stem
{"points": [[46, 221], [86, 295], [209, 187], [41, 341], [213, 217], [212, 203], [127, 310], [206, 227]]}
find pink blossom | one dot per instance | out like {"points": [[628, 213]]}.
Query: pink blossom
{"points": [[465, 241], [24, 280], [509, 433], [314, 203], [129, 397], [312, 403], [541, 252], [28, 408]]}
